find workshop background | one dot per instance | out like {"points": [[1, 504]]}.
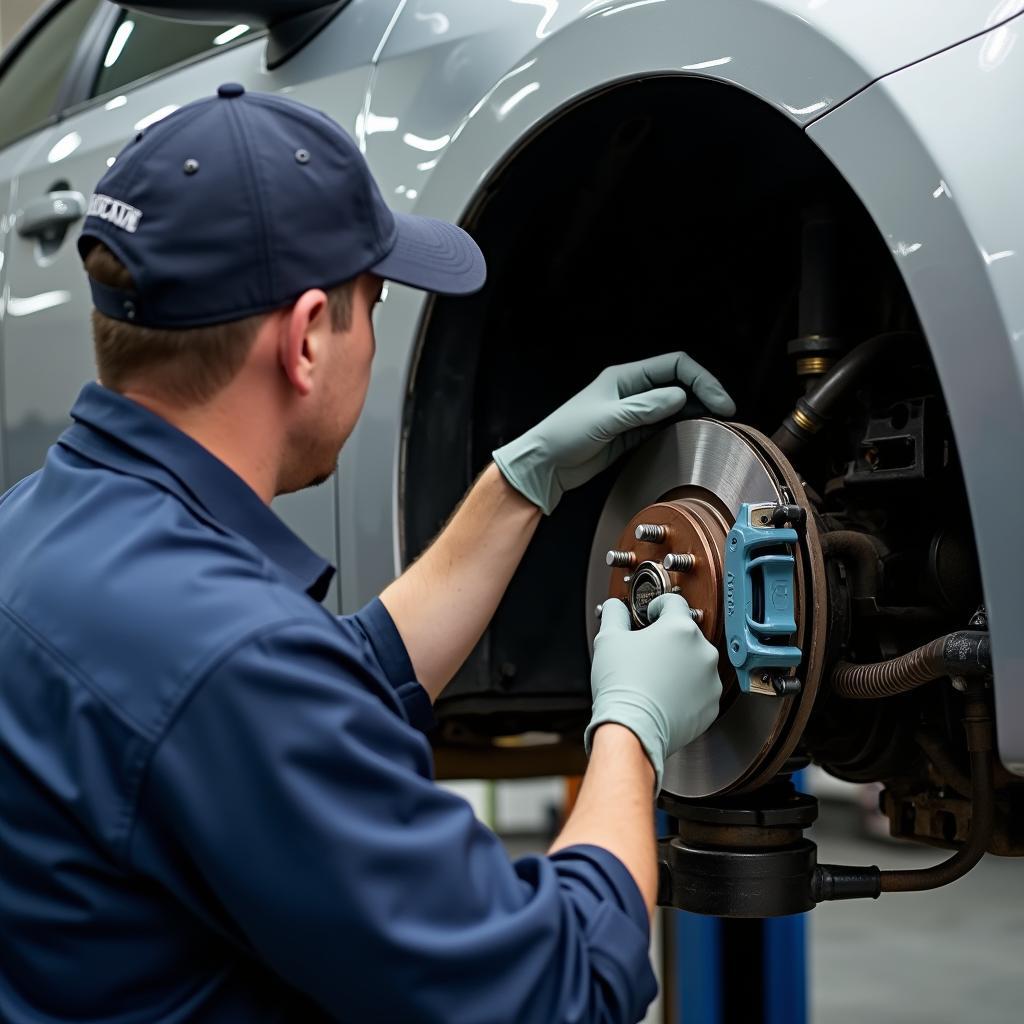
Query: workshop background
{"points": [[941, 957], [949, 957]]}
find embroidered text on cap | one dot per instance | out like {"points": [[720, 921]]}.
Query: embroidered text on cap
{"points": [[121, 215]]}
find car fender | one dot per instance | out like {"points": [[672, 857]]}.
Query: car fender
{"points": [[934, 153], [460, 87]]}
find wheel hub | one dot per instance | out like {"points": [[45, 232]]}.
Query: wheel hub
{"points": [[678, 545]]}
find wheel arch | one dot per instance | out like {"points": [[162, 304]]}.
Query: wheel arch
{"points": [[481, 145]]}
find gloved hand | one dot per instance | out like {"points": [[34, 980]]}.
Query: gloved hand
{"points": [[660, 682], [596, 426]]}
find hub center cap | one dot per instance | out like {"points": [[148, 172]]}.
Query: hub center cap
{"points": [[649, 581]]}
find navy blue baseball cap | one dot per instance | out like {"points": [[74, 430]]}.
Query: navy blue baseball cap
{"points": [[237, 204]]}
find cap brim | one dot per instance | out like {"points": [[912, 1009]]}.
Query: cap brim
{"points": [[433, 255]]}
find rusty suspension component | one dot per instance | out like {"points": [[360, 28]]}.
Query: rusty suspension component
{"points": [[841, 882], [978, 725]]}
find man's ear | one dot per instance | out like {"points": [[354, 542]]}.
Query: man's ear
{"points": [[301, 340]]}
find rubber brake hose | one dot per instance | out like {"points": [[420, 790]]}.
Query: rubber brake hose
{"points": [[814, 410]]}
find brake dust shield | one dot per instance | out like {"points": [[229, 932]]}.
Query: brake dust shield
{"points": [[686, 487]]}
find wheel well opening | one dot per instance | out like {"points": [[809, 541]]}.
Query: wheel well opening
{"points": [[658, 215]]}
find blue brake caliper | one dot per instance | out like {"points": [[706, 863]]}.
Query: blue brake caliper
{"points": [[760, 619]]}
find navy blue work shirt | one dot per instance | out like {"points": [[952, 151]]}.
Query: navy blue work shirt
{"points": [[215, 801]]}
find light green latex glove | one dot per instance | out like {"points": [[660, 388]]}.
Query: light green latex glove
{"points": [[596, 426], [660, 682]]}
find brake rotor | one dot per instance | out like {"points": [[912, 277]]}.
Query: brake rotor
{"points": [[685, 487]]}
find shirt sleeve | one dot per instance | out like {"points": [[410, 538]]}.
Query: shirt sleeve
{"points": [[374, 627], [290, 809]]}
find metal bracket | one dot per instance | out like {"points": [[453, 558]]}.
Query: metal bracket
{"points": [[760, 616]]}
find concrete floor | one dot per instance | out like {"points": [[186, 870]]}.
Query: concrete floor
{"points": [[952, 956]]}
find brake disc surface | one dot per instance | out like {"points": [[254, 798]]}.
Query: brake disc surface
{"points": [[705, 469]]}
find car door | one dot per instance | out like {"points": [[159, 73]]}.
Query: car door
{"points": [[31, 76], [47, 347], [11, 158]]}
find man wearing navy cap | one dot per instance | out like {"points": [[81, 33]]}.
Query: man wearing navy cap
{"points": [[216, 799]]}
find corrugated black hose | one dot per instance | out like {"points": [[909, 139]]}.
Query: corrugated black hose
{"points": [[964, 653]]}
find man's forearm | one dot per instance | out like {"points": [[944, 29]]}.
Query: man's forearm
{"points": [[615, 807], [442, 603]]}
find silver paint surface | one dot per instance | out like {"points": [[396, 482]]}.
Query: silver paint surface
{"points": [[935, 154]]}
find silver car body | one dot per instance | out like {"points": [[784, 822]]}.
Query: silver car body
{"points": [[917, 105]]}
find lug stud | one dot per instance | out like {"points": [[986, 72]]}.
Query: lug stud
{"points": [[620, 559], [598, 610], [627, 578], [679, 562], [652, 533]]}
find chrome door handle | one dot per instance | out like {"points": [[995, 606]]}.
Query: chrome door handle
{"points": [[50, 216]]}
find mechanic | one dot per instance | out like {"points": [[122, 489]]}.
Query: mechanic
{"points": [[216, 798]]}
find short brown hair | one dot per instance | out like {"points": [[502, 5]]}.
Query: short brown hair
{"points": [[189, 365]]}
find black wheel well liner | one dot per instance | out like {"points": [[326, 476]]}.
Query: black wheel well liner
{"points": [[653, 214]]}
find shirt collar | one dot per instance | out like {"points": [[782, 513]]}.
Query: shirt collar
{"points": [[129, 432]]}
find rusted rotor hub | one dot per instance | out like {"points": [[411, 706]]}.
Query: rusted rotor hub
{"points": [[683, 556], [676, 547]]}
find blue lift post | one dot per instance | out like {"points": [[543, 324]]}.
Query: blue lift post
{"points": [[785, 969], [714, 961], [786, 981], [698, 967]]}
